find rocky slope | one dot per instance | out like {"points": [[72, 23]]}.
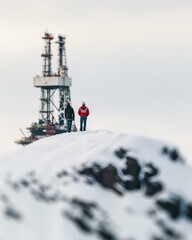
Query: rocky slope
{"points": [[95, 185]]}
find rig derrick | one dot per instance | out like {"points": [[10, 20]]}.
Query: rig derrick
{"points": [[55, 93]]}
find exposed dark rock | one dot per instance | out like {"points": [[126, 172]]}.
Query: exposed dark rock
{"points": [[153, 187], [168, 232], [79, 221], [151, 212], [62, 173], [172, 206], [173, 154], [132, 184], [90, 180], [25, 183], [44, 187], [12, 213], [132, 167], [171, 233], [86, 207], [150, 171], [43, 196], [106, 234], [189, 211], [165, 150], [90, 171], [107, 176], [84, 214], [92, 222], [15, 186], [121, 153], [83, 203]]}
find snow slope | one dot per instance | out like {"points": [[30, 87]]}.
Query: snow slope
{"points": [[95, 185]]}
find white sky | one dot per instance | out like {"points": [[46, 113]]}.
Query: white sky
{"points": [[130, 62]]}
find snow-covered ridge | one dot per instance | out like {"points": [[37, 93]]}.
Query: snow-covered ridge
{"points": [[95, 185]]}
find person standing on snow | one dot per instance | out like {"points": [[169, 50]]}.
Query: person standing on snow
{"points": [[69, 116], [83, 113]]}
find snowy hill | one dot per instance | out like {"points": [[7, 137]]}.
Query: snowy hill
{"points": [[95, 185]]}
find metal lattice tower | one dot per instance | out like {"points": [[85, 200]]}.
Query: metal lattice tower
{"points": [[45, 108], [64, 91], [55, 93], [53, 84], [48, 37]]}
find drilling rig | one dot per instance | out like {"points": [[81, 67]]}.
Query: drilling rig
{"points": [[55, 93]]}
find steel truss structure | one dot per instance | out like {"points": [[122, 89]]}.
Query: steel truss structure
{"points": [[55, 93]]}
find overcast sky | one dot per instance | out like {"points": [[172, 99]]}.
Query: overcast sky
{"points": [[130, 61]]}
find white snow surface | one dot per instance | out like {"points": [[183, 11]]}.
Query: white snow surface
{"points": [[125, 216]]}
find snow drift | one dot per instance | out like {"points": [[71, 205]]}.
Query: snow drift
{"points": [[95, 185]]}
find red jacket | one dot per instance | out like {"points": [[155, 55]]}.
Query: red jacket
{"points": [[83, 111]]}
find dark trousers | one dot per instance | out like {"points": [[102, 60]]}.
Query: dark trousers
{"points": [[69, 124], [83, 123]]}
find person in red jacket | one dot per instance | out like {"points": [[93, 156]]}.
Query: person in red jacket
{"points": [[83, 113]]}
